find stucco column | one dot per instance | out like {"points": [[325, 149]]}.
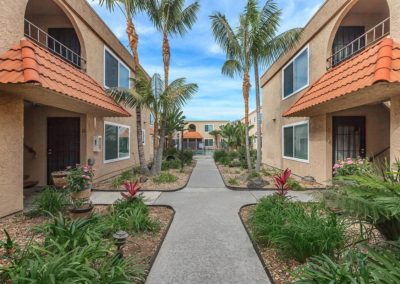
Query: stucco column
{"points": [[395, 128], [11, 154], [394, 7]]}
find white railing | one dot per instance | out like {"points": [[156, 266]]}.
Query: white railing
{"points": [[371, 36], [38, 35]]}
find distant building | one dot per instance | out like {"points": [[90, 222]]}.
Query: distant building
{"points": [[253, 130]]}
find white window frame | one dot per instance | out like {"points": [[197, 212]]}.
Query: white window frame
{"points": [[307, 122], [208, 125], [307, 47], [119, 62], [212, 139], [104, 141], [143, 136]]}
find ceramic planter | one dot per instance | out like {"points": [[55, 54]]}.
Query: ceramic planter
{"points": [[81, 195], [82, 212], [59, 179]]}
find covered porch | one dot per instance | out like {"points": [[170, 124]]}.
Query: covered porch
{"points": [[192, 140]]}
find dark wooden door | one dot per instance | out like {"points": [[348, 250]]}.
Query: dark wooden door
{"points": [[349, 137], [69, 38], [344, 36], [63, 143]]}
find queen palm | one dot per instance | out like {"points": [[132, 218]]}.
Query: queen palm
{"points": [[236, 44], [129, 9], [215, 133], [171, 18], [266, 47]]}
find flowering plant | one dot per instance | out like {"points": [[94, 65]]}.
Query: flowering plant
{"points": [[351, 166], [281, 182], [132, 188], [79, 178]]}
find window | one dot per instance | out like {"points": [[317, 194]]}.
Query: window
{"points": [[208, 127], [151, 119], [117, 142], [295, 74], [116, 73], [209, 142], [295, 141], [143, 137]]}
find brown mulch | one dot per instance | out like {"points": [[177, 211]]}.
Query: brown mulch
{"points": [[240, 175], [142, 246], [182, 175], [279, 267]]}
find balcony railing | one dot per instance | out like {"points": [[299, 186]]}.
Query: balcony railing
{"points": [[38, 35], [371, 36]]}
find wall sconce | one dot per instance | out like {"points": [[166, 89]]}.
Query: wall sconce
{"points": [[120, 238]]}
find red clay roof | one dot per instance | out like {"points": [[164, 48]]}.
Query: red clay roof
{"points": [[192, 135], [29, 63], [378, 63]]}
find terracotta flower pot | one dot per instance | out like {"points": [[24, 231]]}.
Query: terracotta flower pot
{"points": [[83, 212], [59, 179], [81, 195]]}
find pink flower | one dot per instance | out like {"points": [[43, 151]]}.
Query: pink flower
{"points": [[349, 161]]}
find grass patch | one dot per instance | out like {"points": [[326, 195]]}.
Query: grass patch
{"points": [[298, 230], [128, 175], [165, 177], [233, 181], [294, 185]]}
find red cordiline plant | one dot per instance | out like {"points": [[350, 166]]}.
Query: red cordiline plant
{"points": [[132, 190], [281, 182]]}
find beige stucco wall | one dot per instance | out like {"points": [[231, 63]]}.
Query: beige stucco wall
{"points": [[11, 154], [200, 124], [253, 131], [318, 36]]}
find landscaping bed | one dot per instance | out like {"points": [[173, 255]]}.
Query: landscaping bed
{"points": [[145, 238], [171, 180], [238, 178]]}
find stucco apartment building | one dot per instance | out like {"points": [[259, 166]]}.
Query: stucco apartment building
{"points": [[337, 95], [56, 59], [198, 137], [253, 128]]}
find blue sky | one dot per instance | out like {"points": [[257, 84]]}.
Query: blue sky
{"points": [[198, 58]]}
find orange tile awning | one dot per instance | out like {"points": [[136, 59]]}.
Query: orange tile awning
{"points": [[29, 63], [377, 63], [192, 135]]}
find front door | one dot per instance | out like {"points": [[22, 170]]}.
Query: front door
{"points": [[348, 137], [63, 143]]}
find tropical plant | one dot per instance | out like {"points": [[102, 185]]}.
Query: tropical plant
{"points": [[351, 166], [79, 178], [129, 9], [281, 182], [132, 189], [49, 201], [298, 230], [369, 198], [234, 134], [171, 164], [128, 175], [9, 244], [216, 134], [294, 185], [175, 122], [165, 177], [265, 47]]}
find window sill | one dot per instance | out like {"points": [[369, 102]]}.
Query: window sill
{"points": [[116, 160], [296, 160]]}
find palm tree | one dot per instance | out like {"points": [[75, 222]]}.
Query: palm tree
{"points": [[236, 44], [171, 18], [215, 133], [266, 47], [143, 95], [129, 9], [175, 122]]}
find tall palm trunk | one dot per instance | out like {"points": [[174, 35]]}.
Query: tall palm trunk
{"points": [[155, 134], [166, 53], [133, 43], [246, 94], [156, 169], [258, 111]]}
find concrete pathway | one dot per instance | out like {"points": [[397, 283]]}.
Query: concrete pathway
{"points": [[207, 242]]}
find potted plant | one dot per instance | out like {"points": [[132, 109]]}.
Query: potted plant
{"points": [[59, 179], [81, 209], [79, 182]]}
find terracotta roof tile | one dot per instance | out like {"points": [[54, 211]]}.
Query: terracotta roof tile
{"points": [[28, 62], [378, 63], [192, 135]]}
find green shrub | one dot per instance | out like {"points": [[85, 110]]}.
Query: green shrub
{"points": [[219, 155], [171, 164], [165, 177], [233, 181], [186, 156], [350, 167], [294, 185], [128, 175], [252, 175], [129, 215], [297, 230], [49, 201]]}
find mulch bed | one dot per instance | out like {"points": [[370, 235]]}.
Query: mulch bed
{"points": [[142, 246], [240, 176], [182, 175]]}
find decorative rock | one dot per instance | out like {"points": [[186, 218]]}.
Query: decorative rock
{"points": [[308, 179], [257, 183]]}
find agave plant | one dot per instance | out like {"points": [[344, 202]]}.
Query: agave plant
{"points": [[132, 189], [281, 182]]}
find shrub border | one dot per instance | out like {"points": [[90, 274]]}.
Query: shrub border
{"points": [[255, 245], [152, 190]]}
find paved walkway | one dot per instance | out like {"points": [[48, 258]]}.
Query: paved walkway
{"points": [[207, 242]]}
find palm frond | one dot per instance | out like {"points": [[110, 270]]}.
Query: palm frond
{"points": [[232, 68], [186, 19], [224, 35]]}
